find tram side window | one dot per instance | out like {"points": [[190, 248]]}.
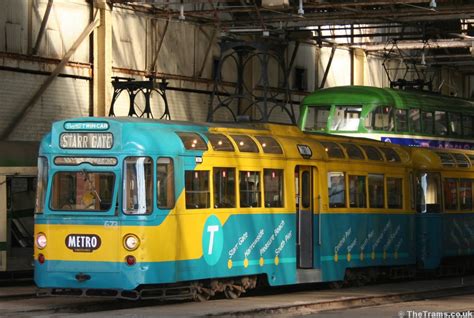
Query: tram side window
{"points": [[165, 183], [450, 194], [414, 120], [376, 191], [250, 195], [465, 194], [455, 124], [394, 193], [401, 117], [197, 189], [440, 123], [346, 118], [357, 192], [336, 190], [219, 142], [273, 188], [381, 118], [138, 185], [427, 120], [317, 118], [333, 150], [428, 193], [192, 141], [224, 188], [372, 153], [353, 151], [245, 143], [467, 125], [269, 144], [42, 183]]}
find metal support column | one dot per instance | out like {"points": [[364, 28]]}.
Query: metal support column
{"points": [[102, 91]]}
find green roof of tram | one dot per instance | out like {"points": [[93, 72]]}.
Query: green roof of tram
{"points": [[356, 95]]}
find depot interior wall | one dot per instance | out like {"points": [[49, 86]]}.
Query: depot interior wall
{"points": [[186, 59], [22, 74]]}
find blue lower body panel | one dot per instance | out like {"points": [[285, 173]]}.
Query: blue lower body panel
{"points": [[253, 244]]}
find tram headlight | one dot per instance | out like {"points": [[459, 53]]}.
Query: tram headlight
{"points": [[41, 240], [131, 242]]}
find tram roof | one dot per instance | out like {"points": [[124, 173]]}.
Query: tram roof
{"points": [[350, 95]]}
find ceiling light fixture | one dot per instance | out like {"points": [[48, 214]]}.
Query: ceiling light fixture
{"points": [[181, 12], [300, 8], [433, 4]]}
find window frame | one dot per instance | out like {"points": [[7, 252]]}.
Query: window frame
{"points": [[233, 204], [401, 192], [200, 142], [124, 175], [350, 192], [208, 192], [258, 190], [170, 186], [249, 138], [336, 205], [281, 187]]}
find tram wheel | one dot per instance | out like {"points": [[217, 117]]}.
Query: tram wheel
{"points": [[336, 285], [232, 293], [201, 297]]}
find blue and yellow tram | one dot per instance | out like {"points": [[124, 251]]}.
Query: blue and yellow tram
{"points": [[138, 208]]}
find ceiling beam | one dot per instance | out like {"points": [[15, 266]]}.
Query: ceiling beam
{"points": [[416, 45]]}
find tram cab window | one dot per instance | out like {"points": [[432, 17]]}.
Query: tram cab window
{"points": [[428, 193], [138, 185], [82, 191], [450, 194], [336, 190], [165, 183], [219, 142], [427, 122], [467, 130], [441, 123], [465, 194], [394, 193], [381, 118], [414, 120], [401, 120], [42, 183], [376, 191], [455, 126], [317, 118], [357, 192], [346, 118], [197, 189], [273, 188], [249, 185], [224, 188]]}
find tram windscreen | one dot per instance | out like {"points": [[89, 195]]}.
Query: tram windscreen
{"points": [[82, 191]]}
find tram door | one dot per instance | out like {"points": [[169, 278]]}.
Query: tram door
{"points": [[305, 208]]}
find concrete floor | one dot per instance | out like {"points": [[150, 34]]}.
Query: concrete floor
{"points": [[283, 303]]}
